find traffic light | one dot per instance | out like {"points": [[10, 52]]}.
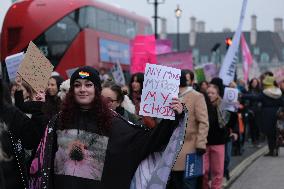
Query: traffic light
{"points": [[228, 42]]}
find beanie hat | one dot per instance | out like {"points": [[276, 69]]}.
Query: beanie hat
{"points": [[89, 73], [268, 81], [219, 83]]}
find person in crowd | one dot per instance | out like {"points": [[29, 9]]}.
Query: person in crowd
{"points": [[232, 137], [52, 101], [23, 95], [89, 146], [203, 85], [270, 99], [220, 123], [135, 88], [262, 77], [17, 132], [254, 112], [115, 97], [196, 133], [103, 75]]}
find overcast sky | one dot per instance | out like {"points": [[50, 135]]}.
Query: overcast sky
{"points": [[217, 14]]}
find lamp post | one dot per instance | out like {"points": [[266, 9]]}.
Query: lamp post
{"points": [[178, 12], [156, 3]]}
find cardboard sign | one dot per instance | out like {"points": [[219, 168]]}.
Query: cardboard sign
{"points": [[179, 60], [13, 63], [143, 50], [160, 85], [118, 75], [35, 68], [230, 99]]}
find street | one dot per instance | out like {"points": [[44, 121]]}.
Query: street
{"points": [[264, 173]]}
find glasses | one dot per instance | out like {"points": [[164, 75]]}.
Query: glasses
{"points": [[110, 100]]}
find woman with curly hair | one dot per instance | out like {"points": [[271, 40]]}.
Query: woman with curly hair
{"points": [[90, 146]]}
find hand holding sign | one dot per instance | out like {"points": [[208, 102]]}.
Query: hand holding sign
{"points": [[176, 105], [160, 85]]}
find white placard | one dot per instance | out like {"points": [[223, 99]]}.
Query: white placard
{"points": [[118, 74], [13, 63], [160, 85], [230, 100]]}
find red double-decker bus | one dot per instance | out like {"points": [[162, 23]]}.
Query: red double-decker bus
{"points": [[72, 33]]}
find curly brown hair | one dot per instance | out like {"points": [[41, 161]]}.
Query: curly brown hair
{"points": [[100, 111]]}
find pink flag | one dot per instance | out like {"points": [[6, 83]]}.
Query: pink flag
{"points": [[247, 58]]}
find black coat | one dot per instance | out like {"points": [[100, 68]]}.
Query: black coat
{"points": [[20, 133], [127, 146], [269, 108]]}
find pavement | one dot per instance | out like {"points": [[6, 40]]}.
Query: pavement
{"points": [[261, 173], [240, 163]]}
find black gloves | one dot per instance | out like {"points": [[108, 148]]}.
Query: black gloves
{"points": [[200, 151]]}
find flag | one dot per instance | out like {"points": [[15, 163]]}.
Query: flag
{"points": [[247, 58], [228, 68]]}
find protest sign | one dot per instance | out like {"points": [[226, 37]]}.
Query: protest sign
{"points": [[118, 75], [199, 74], [12, 63], [230, 99], [35, 68], [160, 85], [210, 71], [179, 60], [143, 50]]}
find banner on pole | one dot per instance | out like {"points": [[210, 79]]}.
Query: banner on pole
{"points": [[228, 68], [160, 85], [247, 58]]}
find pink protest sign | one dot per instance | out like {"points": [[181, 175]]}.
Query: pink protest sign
{"points": [[143, 50], [160, 85], [180, 60], [163, 46]]}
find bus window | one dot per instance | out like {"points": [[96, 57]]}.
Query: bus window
{"points": [[102, 20], [14, 36], [87, 17], [55, 41]]}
